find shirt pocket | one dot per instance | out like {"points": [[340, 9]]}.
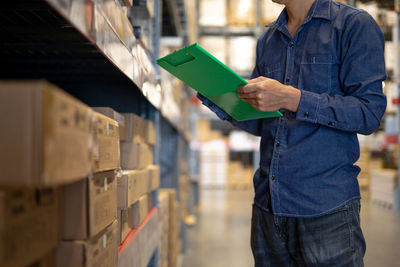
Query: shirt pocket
{"points": [[272, 71], [316, 73]]}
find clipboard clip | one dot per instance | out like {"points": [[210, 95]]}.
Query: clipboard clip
{"points": [[177, 59]]}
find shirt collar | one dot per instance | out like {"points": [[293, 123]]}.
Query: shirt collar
{"points": [[320, 9]]}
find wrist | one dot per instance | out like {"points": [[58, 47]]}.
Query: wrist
{"points": [[292, 98]]}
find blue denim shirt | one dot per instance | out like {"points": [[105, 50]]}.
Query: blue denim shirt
{"points": [[336, 59]]}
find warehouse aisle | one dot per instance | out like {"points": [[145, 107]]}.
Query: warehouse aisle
{"points": [[221, 236]]}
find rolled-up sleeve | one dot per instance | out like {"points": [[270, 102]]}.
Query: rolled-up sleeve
{"points": [[362, 71]]}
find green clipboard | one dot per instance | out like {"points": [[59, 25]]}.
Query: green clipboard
{"points": [[204, 73]]}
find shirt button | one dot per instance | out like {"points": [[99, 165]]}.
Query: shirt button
{"points": [[288, 80], [306, 115], [291, 45], [273, 177], [278, 144]]}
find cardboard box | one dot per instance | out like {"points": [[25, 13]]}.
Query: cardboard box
{"points": [[154, 178], [46, 261], [131, 185], [150, 133], [45, 136], [109, 112], [89, 206], [173, 234], [106, 154], [135, 155], [100, 250], [149, 237], [163, 214], [150, 200], [139, 246], [135, 128], [174, 225], [125, 223], [140, 210], [29, 225]]}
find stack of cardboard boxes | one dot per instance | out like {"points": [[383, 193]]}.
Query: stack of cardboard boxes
{"points": [[60, 177], [57, 181], [171, 244], [137, 184], [139, 177], [89, 211]]}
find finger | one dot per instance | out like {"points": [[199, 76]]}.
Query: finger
{"points": [[246, 89], [255, 80], [251, 95]]}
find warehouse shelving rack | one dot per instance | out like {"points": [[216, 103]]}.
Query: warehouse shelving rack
{"points": [[72, 44]]}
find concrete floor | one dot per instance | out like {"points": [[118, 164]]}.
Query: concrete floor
{"points": [[221, 237]]}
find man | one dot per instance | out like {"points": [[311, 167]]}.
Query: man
{"points": [[322, 64]]}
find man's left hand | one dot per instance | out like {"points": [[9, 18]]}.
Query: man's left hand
{"points": [[266, 94]]}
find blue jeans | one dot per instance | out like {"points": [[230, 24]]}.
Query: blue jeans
{"points": [[333, 240]]}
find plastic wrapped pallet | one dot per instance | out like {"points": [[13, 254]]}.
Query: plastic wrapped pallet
{"points": [[239, 61], [212, 13], [241, 12], [383, 184], [213, 163]]}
